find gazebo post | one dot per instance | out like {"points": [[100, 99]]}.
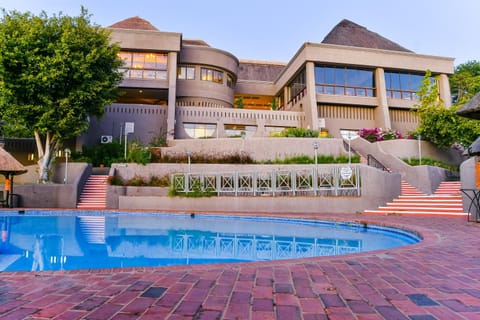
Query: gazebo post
{"points": [[8, 186], [9, 167], [11, 191]]}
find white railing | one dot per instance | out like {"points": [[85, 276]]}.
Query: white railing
{"points": [[316, 181]]}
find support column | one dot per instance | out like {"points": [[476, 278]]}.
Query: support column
{"points": [[444, 90], [172, 94], [382, 116], [310, 100]]}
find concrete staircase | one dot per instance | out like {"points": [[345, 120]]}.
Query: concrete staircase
{"points": [[446, 201], [94, 193]]}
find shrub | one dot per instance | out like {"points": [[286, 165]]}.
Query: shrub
{"points": [[230, 158], [299, 133], [159, 181], [378, 134], [430, 162], [115, 181], [107, 153], [136, 182], [321, 159]]}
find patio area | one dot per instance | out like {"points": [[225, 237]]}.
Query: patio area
{"points": [[438, 278]]}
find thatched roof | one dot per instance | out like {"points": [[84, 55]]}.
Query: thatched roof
{"points": [[348, 33], [259, 70], [10, 165], [471, 109], [473, 149], [195, 42], [135, 23]]}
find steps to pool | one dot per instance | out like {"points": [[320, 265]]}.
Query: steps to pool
{"points": [[446, 201]]}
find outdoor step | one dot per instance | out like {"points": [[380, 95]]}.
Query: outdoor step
{"points": [[418, 213], [424, 204], [446, 202], [420, 208], [432, 197], [94, 193]]}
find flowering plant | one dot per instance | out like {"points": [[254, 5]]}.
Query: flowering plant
{"points": [[378, 134]]}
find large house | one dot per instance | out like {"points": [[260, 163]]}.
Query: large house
{"points": [[183, 88]]}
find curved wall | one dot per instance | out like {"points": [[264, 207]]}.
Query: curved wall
{"points": [[208, 91]]}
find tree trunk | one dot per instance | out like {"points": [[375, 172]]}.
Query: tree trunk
{"points": [[46, 154]]}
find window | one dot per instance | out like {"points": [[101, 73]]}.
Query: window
{"points": [[403, 85], [186, 73], [200, 130], [344, 81], [144, 65], [207, 74], [230, 81], [239, 131], [298, 84]]}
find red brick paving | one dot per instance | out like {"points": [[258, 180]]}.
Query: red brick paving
{"points": [[438, 278]]}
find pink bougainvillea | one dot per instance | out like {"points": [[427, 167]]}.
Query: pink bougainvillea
{"points": [[378, 134]]}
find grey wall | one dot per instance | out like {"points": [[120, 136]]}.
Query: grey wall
{"points": [[53, 195], [377, 188]]}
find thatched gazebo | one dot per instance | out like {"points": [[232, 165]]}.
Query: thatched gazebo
{"points": [[9, 167], [471, 109]]}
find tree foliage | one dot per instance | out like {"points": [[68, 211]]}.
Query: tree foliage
{"points": [[439, 124], [465, 82], [55, 72]]}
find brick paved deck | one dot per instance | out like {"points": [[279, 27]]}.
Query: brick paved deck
{"points": [[438, 278]]}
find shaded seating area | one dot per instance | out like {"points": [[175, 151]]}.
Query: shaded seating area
{"points": [[9, 167], [471, 110]]}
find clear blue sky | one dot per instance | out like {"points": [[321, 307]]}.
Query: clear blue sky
{"points": [[275, 30]]}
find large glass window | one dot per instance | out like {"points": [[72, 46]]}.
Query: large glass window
{"points": [[297, 85], [344, 81], [186, 73], [200, 130], [144, 65], [403, 85], [207, 74]]}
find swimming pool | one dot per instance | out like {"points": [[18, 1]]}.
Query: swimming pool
{"points": [[35, 240]]}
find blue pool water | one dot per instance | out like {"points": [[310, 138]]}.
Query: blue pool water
{"points": [[34, 240]]}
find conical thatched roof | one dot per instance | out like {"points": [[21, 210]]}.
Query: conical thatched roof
{"points": [[10, 165], [474, 148], [135, 23], [471, 109], [348, 33]]}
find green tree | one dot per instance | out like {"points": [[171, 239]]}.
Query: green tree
{"points": [[55, 72], [465, 82], [439, 124]]}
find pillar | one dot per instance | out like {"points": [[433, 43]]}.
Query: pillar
{"points": [[172, 94], [382, 115], [444, 90], [310, 100]]}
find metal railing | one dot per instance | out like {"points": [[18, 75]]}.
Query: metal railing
{"points": [[373, 162], [314, 181]]}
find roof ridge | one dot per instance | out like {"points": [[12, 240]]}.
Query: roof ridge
{"points": [[348, 33]]}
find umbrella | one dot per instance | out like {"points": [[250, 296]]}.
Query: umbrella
{"points": [[9, 167]]}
